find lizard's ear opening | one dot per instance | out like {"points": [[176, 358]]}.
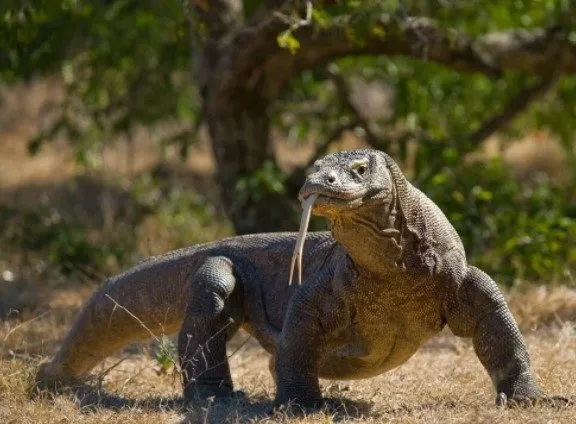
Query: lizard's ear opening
{"points": [[381, 179]]}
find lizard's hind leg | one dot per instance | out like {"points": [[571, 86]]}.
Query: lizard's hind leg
{"points": [[213, 315]]}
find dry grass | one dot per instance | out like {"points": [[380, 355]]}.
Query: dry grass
{"points": [[443, 382]]}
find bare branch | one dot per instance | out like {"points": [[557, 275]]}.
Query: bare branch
{"points": [[514, 108], [219, 16], [256, 45], [539, 51], [333, 73], [294, 22]]}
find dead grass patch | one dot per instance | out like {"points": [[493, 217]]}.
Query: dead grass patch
{"points": [[544, 306]]}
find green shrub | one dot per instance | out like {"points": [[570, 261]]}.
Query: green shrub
{"points": [[515, 231], [60, 242]]}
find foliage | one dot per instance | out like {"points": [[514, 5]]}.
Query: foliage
{"points": [[63, 244], [124, 63], [266, 180], [127, 63], [162, 215], [514, 231]]}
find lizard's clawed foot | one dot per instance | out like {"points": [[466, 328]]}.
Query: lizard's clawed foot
{"points": [[311, 406], [204, 399], [298, 407], [530, 401]]}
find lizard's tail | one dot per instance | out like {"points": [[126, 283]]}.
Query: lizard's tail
{"points": [[131, 308]]}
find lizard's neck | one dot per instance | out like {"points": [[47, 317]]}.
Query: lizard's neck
{"points": [[372, 236]]}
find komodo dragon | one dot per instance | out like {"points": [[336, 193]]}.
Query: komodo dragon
{"points": [[390, 275]]}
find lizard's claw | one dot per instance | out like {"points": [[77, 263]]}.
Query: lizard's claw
{"points": [[529, 401]]}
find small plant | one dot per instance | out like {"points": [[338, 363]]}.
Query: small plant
{"points": [[165, 354]]}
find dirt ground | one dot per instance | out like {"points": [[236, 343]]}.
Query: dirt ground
{"points": [[443, 382]]}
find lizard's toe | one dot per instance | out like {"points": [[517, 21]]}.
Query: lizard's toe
{"points": [[531, 401], [309, 406], [207, 399]]}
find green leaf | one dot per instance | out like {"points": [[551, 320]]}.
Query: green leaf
{"points": [[286, 40]]}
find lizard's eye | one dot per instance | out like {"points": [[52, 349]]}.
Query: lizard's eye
{"points": [[359, 168]]}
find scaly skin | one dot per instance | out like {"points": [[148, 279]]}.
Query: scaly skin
{"points": [[391, 275]]}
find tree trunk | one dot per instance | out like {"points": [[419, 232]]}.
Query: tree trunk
{"points": [[239, 126]]}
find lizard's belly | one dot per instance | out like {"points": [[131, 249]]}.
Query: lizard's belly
{"points": [[381, 338]]}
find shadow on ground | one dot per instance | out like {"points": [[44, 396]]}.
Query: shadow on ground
{"points": [[236, 409]]}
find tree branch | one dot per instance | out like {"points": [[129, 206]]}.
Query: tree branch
{"points": [[257, 55], [219, 16], [333, 73], [518, 104], [255, 46], [514, 108], [539, 51]]}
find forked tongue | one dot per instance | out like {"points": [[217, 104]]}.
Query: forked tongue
{"points": [[299, 248]]}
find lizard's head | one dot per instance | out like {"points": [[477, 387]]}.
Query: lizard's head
{"points": [[347, 180]]}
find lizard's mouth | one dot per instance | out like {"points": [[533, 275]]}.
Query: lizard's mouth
{"points": [[329, 203], [342, 198]]}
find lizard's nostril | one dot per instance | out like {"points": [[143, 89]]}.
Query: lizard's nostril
{"points": [[331, 178]]}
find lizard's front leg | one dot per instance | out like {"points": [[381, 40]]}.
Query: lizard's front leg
{"points": [[314, 316], [207, 325], [478, 310]]}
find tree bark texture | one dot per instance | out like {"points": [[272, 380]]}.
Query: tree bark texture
{"points": [[239, 127]]}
